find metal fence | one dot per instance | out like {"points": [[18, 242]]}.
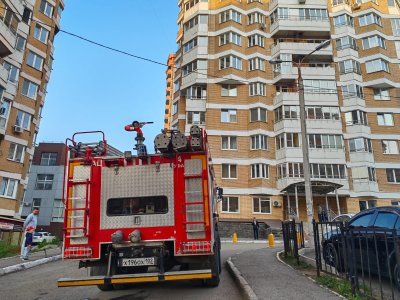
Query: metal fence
{"points": [[368, 257], [293, 238]]}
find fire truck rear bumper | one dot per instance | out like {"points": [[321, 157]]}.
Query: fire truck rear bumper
{"points": [[136, 278]]}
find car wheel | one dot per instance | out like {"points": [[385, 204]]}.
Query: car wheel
{"points": [[331, 257], [214, 281]]}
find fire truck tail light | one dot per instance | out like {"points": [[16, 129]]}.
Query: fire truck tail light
{"points": [[196, 247], [78, 252]]}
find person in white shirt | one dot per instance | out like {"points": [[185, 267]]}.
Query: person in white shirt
{"points": [[30, 221]]}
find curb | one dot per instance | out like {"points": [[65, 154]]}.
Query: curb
{"points": [[28, 265], [245, 288]]}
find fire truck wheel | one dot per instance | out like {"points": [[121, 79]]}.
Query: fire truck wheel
{"points": [[216, 270], [98, 271]]}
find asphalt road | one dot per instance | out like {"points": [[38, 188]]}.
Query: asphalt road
{"points": [[41, 283]]}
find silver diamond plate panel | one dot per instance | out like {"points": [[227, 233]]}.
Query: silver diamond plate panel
{"points": [[194, 190], [137, 181], [193, 167]]}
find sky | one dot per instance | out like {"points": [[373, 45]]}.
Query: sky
{"points": [[92, 88]]}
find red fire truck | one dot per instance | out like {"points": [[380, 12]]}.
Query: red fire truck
{"points": [[142, 218]]}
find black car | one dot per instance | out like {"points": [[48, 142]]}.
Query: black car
{"points": [[370, 241]]}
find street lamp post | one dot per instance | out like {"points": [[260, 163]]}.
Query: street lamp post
{"points": [[304, 140]]}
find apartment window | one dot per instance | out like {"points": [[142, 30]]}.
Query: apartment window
{"points": [[34, 60], [196, 117], [41, 33], [366, 204], [36, 203], [256, 17], [373, 41], [230, 61], [228, 142], [258, 114], [325, 141], [349, 66], [46, 8], [319, 86], [385, 119], [230, 204], [177, 85], [352, 91], [381, 94], [20, 43], [230, 15], [58, 211], [48, 159], [175, 108], [23, 120], [360, 145], [229, 90], [356, 117], [343, 20], [328, 171], [286, 112], [44, 182], [313, 14], [338, 2], [261, 205], [4, 110], [228, 115], [256, 40], [8, 187], [190, 4], [13, 72], [393, 175], [256, 64], [346, 42], [291, 169], [259, 171], [371, 174], [259, 142], [29, 89], [9, 18], [279, 14], [377, 65], [196, 92], [396, 27], [322, 112], [229, 171], [190, 45], [257, 89], [16, 152], [370, 18], [191, 23], [390, 147], [189, 68], [287, 140], [230, 37]]}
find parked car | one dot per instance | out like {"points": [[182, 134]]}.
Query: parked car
{"points": [[372, 237], [343, 218], [41, 236]]}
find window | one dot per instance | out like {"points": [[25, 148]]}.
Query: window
{"points": [[8, 187], [256, 40], [191, 23], [16, 152], [189, 45], [23, 120], [364, 220], [373, 41], [44, 181], [377, 65], [258, 114], [381, 94], [229, 171], [385, 119], [343, 20], [337, 2], [259, 171], [196, 117], [291, 169], [46, 8], [228, 116], [319, 86], [259, 142], [4, 110], [356, 117], [385, 220], [228, 142], [41, 33], [349, 66], [256, 64], [313, 14], [189, 68], [371, 174], [261, 205], [144, 205], [286, 112], [360, 145], [175, 108], [281, 13], [328, 171], [230, 37], [390, 147], [346, 42], [325, 141], [396, 27], [13, 72], [352, 91], [229, 90], [370, 18], [48, 159], [29, 89], [35, 61], [322, 112], [256, 17], [230, 204], [190, 4], [36, 202], [9, 18], [20, 43], [393, 175], [257, 89], [230, 15], [196, 92], [58, 211], [230, 61]]}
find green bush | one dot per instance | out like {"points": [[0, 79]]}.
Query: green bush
{"points": [[8, 250]]}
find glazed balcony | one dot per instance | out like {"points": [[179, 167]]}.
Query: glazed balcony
{"points": [[299, 46]]}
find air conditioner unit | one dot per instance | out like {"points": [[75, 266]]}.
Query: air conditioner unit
{"points": [[302, 1], [18, 128], [277, 203], [356, 6]]}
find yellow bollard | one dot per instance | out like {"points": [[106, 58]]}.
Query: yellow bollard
{"points": [[235, 239], [271, 240]]}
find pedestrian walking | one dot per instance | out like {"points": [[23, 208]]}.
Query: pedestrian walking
{"points": [[255, 228], [28, 242], [30, 221]]}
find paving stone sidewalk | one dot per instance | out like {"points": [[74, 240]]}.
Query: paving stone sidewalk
{"points": [[16, 260]]}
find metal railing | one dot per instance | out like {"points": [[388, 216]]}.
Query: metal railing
{"points": [[368, 257], [293, 238]]}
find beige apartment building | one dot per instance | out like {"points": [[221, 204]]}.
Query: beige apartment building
{"points": [[169, 90], [27, 32], [250, 107]]}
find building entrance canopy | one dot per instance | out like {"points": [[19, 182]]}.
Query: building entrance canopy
{"points": [[318, 187]]}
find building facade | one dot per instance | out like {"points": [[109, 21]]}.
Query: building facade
{"points": [[224, 82], [168, 94], [27, 32]]}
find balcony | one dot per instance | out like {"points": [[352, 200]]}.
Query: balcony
{"points": [[351, 76], [353, 102], [196, 104], [331, 126], [347, 30], [292, 98], [299, 46], [323, 71], [361, 157], [314, 3], [330, 154], [7, 39], [194, 77], [364, 185], [296, 23], [358, 129], [3, 77]]}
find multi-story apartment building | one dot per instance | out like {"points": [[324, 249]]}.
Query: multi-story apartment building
{"points": [[169, 90], [250, 107], [27, 32]]}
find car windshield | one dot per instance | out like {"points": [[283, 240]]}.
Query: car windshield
{"points": [[38, 234]]}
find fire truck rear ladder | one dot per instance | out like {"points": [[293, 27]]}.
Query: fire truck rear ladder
{"points": [[190, 210], [71, 208]]}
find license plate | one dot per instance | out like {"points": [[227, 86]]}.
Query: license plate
{"points": [[137, 262]]}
